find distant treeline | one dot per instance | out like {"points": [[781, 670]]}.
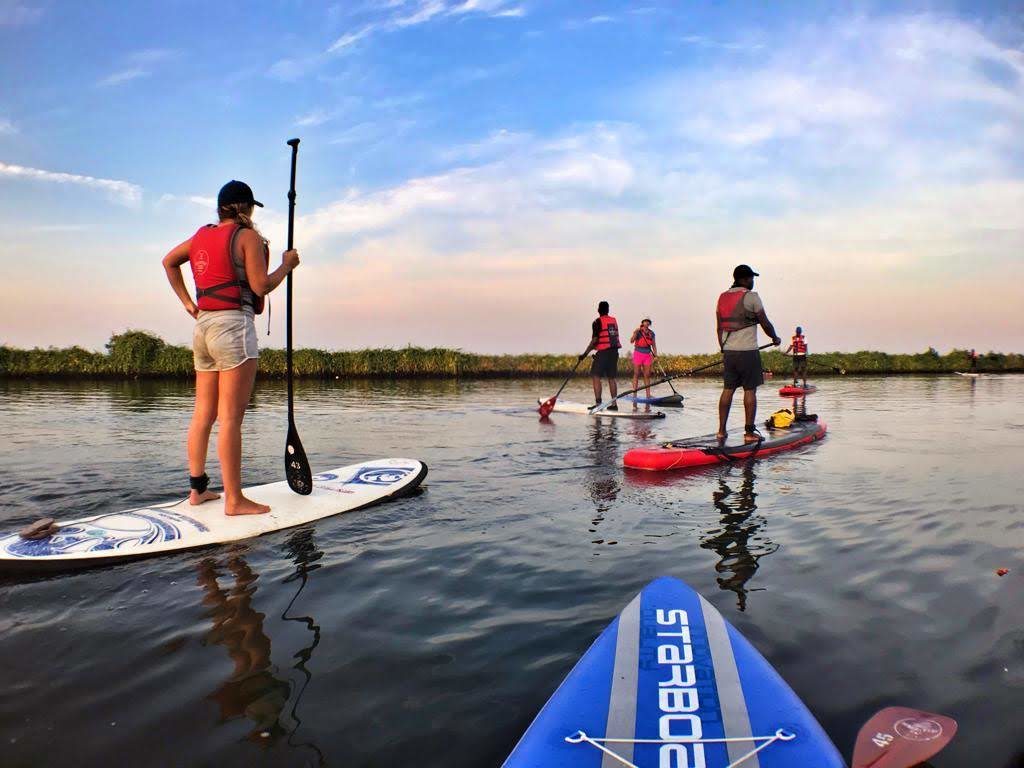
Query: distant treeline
{"points": [[136, 354]]}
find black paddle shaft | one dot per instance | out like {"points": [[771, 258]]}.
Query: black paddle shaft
{"points": [[296, 465]]}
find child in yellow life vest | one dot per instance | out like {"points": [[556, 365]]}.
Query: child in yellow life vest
{"points": [[799, 348]]}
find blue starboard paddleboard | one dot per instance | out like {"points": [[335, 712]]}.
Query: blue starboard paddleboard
{"points": [[670, 669]]}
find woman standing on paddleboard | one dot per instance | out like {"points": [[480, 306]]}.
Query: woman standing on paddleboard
{"points": [[644, 351], [229, 262]]}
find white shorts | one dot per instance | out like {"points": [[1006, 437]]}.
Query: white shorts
{"points": [[224, 339]]}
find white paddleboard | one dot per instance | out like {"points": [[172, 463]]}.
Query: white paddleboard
{"points": [[969, 375], [116, 536], [625, 411]]}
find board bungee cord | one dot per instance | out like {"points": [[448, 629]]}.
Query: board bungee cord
{"points": [[780, 735]]}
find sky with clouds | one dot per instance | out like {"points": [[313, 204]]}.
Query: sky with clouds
{"points": [[479, 173]]}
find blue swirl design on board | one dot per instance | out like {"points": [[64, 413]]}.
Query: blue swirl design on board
{"points": [[118, 530], [380, 475], [324, 477]]}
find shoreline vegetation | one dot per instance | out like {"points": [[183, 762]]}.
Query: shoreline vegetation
{"points": [[138, 354]]}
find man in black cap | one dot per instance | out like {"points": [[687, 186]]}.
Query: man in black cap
{"points": [[737, 316]]}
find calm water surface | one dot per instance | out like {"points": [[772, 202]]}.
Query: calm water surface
{"points": [[429, 632]]}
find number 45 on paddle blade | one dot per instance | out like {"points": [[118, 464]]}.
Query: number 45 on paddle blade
{"points": [[898, 737]]}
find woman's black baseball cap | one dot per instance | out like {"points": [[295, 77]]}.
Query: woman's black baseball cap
{"points": [[236, 192]]}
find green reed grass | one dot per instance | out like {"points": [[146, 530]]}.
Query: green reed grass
{"points": [[138, 354]]}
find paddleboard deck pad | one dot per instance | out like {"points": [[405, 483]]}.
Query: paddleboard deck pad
{"points": [[117, 536], [670, 669], [705, 450], [791, 391], [624, 412]]}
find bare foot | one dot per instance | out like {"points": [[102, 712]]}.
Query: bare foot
{"points": [[751, 438], [195, 498], [245, 506], [720, 435]]}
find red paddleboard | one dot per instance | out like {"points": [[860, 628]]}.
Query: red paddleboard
{"points": [[705, 450], [789, 390]]}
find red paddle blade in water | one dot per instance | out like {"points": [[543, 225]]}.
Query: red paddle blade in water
{"points": [[898, 737], [546, 407]]}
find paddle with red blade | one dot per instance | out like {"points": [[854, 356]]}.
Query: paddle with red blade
{"points": [[899, 737], [548, 405]]}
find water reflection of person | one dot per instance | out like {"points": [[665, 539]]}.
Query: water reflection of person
{"points": [[603, 480], [253, 690], [739, 541]]}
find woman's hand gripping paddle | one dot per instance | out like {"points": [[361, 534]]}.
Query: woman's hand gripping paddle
{"points": [[898, 737], [296, 465], [548, 405]]}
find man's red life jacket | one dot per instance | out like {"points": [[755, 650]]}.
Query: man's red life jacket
{"points": [[220, 280], [644, 340], [608, 338], [799, 345], [732, 315]]}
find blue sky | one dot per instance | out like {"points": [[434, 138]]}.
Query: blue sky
{"points": [[479, 173]]}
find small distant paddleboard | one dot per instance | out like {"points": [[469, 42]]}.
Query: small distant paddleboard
{"points": [[663, 685], [705, 450], [116, 536], [674, 400], [624, 412], [968, 375], [791, 391]]}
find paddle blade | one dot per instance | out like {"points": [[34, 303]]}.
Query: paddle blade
{"points": [[296, 465], [898, 737], [546, 407]]}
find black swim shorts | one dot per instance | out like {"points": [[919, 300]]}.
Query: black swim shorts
{"points": [[606, 363], [742, 369]]}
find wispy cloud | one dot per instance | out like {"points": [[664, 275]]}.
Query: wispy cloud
{"points": [[392, 16], [313, 119], [581, 23], [139, 64], [123, 192], [14, 14], [7, 128], [351, 38], [362, 132], [124, 76], [209, 203], [702, 41]]}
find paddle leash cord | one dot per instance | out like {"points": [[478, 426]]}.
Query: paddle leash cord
{"points": [[780, 735]]}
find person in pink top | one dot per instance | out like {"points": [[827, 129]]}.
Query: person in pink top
{"points": [[644, 351]]}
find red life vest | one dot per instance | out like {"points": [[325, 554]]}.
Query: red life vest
{"points": [[644, 340], [799, 345], [220, 280], [731, 314], [608, 337]]}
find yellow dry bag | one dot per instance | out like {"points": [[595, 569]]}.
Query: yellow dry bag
{"points": [[781, 419]]}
